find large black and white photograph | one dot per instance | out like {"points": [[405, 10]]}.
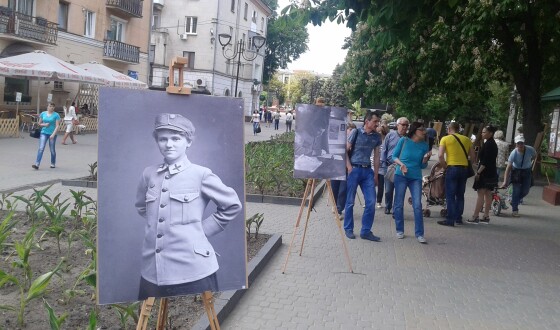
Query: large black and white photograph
{"points": [[320, 142], [171, 195]]}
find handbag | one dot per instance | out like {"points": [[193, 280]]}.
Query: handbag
{"points": [[391, 169], [470, 170], [75, 122], [36, 133], [258, 129]]}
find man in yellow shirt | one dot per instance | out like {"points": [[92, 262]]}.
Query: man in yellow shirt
{"points": [[453, 151]]}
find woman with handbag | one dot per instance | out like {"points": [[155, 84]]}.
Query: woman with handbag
{"points": [[70, 119], [411, 155], [486, 176], [520, 168], [255, 119], [49, 121]]}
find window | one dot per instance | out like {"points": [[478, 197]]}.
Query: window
{"points": [[226, 92], [152, 53], [233, 6], [89, 27], [22, 6], [190, 24], [254, 16], [62, 16], [190, 59], [246, 11], [58, 85], [156, 20], [12, 86], [117, 30], [262, 24]]}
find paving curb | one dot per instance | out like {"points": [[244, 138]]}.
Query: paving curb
{"points": [[251, 198], [227, 301]]}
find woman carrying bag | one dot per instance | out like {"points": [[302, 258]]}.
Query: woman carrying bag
{"points": [[70, 119], [411, 155], [49, 121]]}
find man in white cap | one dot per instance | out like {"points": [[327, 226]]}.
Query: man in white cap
{"points": [[177, 258], [520, 167]]}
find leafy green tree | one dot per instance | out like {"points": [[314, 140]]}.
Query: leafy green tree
{"points": [[453, 48], [333, 89]]}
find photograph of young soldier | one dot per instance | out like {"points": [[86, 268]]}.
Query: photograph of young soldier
{"points": [[171, 195], [319, 142]]}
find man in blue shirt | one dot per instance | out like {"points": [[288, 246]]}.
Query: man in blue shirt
{"points": [[389, 145], [361, 143], [521, 160]]}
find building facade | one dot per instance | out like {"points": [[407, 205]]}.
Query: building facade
{"points": [[112, 32], [191, 29]]}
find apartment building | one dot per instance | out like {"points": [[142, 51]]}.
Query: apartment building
{"points": [[112, 32], [194, 29]]}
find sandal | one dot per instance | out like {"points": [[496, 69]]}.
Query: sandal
{"points": [[485, 220], [474, 220]]}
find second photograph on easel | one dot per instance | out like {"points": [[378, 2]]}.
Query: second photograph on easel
{"points": [[320, 142], [170, 195]]}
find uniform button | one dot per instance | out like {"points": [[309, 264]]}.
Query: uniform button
{"points": [[186, 198], [167, 176], [164, 189], [159, 235], [152, 185], [158, 250], [162, 205], [207, 253], [161, 219]]}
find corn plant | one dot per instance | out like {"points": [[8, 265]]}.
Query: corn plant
{"points": [[5, 229], [33, 204], [5, 202], [81, 203], [35, 290], [125, 312], [92, 325], [93, 171], [256, 219], [54, 321]]}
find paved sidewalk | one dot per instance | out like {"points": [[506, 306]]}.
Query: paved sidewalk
{"points": [[505, 275]]}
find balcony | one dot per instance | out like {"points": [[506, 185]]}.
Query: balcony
{"points": [[121, 52], [18, 26], [129, 8]]}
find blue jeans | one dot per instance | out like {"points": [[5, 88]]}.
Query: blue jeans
{"points": [[255, 125], [415, 187], [455, 184], [42, 144], [389, 188], [520, 190], [276, 123], [362, 177], [339, 192]]}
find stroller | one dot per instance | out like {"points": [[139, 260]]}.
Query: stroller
{"points": [[433, 189]]}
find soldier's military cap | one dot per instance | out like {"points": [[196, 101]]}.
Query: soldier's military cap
{"points": [[174, 122]]}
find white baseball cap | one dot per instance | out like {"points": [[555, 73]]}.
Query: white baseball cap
{"points": [[519, 139]]}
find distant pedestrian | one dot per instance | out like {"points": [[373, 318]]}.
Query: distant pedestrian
{"points": [[389, 144], [454, 153], [289, 119], [255, 119], [486, 177], [69, 119], [431, 133], [382, 129], [503, 153], [519, 172], [360, 173], [276, 117], [49, 121]]}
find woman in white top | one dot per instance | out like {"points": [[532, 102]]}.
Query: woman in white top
{"points": [[256, 121], [69, 116]]}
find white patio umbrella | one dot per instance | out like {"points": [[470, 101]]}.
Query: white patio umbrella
{"points": [[114, 78], [42, 66]]}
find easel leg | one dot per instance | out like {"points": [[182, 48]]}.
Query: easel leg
{"points": [[309, 207], [304, 199], [336, 219], [162, 314], [145, 313], [208, 300]]}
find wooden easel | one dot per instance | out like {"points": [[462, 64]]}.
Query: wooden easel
{"points": [[207, 297], [308, 194]]}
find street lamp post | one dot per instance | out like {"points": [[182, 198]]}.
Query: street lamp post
{"points": [[239, 51]]}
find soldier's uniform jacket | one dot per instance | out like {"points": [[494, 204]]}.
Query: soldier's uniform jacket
{"points": [[173, 198]]}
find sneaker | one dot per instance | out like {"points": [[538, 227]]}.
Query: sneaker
{"points": [[350, 234], [474, 220], [485, 220], [515, 214], [459, 222], [444, 223], [35, 166], [400, 235], [421, 239], [370, 237], [378, 206], [53, 166]]}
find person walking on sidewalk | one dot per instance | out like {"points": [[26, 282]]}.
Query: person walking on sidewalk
{"points": [[365, 140], [453, 151], [519, 172], [49, 121], [411, 155], [276, 117], [382, 129], [486, 176], [69, 118], [255, 119], [289, 118], [389, 144]]}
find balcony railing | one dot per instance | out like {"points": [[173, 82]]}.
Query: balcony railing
{"points": [[121, 51], [27, 27], [127, 7]]}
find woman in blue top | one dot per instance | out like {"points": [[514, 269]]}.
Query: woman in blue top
{"points": [[49, 121], [411, 155]]}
